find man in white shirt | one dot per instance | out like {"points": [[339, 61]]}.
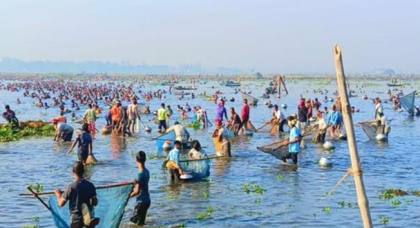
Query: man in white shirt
{"points": [[181, 133], [384, 127], [378, 107], [278, 117]]}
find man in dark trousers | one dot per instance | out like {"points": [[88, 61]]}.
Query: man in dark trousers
{"points": [[81, 195]]}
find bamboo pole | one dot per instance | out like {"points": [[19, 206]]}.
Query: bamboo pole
{"points": [[351, 140], [97, 187]]}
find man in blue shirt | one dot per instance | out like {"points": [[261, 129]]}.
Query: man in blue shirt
{"points": [[221, 110], [172, 161], [141, 190], [334, 120], [293, 141]]}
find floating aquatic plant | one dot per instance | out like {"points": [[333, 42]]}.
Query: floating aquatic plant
{"points": [[326, 209], [279, 177], [396, 202], [248, 188], [384, 220]]}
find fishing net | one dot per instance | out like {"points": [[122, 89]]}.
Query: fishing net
{"points": [[110, 208], [280, 149], [407, 102], [251, 100], [199, 168], [170, 137], [371, 128]]}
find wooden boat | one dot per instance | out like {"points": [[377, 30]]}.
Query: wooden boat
{"points": [[184, 88], [395, 84], [230, 84]]}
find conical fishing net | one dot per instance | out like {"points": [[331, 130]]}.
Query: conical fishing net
{"points": [[370, 128], [407, 102], [170, 137], [110, 208], [199, 168], [251, 100]]}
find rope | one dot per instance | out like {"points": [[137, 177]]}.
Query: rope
{"points": [[349, 171]]}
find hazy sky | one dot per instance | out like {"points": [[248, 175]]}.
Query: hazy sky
{"points": [[266, 35]]}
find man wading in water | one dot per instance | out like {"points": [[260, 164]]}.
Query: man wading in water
{"points": [[81, 195], [293, 141], [85, 144]]}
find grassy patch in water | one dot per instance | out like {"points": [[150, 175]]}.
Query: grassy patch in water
{"points": [[8, 134], [384, 220], [391, 193], [248, 188], [205, 214]]}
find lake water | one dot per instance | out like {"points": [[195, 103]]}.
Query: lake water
{"points": [[292, 197]]}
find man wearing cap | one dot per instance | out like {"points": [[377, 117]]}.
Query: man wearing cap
{"points": [[221, 110], [162, 115]]}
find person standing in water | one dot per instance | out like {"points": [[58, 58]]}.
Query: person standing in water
{"points": [[85, 145], [162, 115], [245, 111], [221, 110], [141, 190], [221, 138], [80, 194], [90, 118], [293, 141], [133, 114], [10, 116]]}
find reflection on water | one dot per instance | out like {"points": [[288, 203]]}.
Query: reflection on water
{"points": [[292, 197]]}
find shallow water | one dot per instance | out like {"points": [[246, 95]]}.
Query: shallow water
{"points": [[292, 197]]}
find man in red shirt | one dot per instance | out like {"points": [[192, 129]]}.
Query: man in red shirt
{"points": [[245, 114]]}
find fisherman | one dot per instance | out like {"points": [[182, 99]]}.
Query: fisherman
{"points": [[293, 141], [61, 118], [114, 114], [10, 116], [90, 117], [141, 190], [245, 111], [80, 194], [278, 118], [133, 113], [162, 115], [322, 128], [172, 160], [378, 107], [62, 131], [85, 146], [383, 124], [197, 151], [181, 133], [334, 120], [302, 114], [201, 116], [221, 110], [235, 122], [221, 136]]}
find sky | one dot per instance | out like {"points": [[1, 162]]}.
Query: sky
{"points": [[271, 36]]}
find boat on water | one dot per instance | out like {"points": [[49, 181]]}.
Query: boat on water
{"points": [[184, 88], [395, 84], [230, 84]]}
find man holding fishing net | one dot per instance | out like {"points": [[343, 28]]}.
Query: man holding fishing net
{"points": [[81, 195], [10, 116], [293, 141]]}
